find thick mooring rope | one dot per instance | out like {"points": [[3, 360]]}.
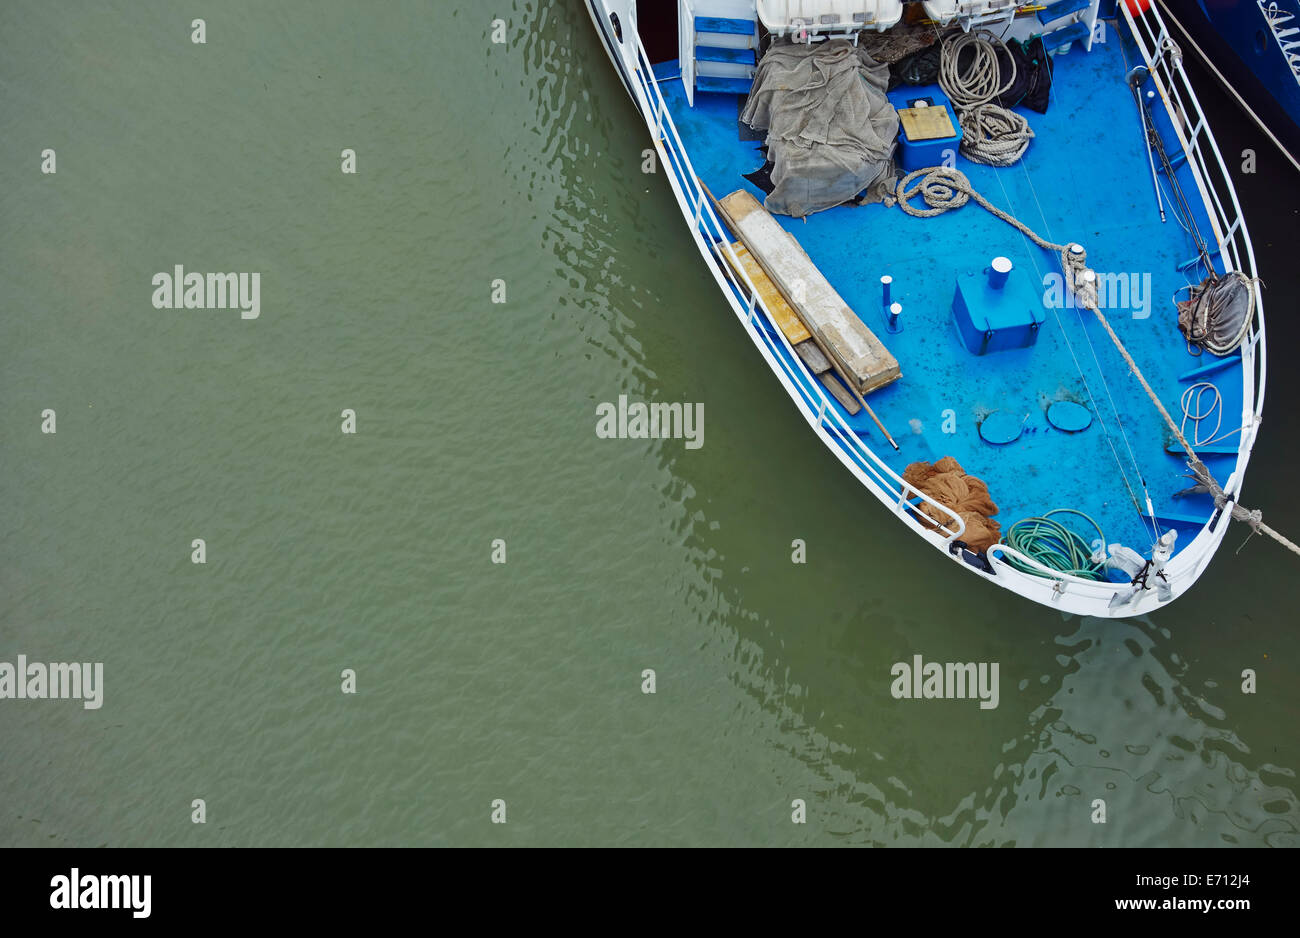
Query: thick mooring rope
{"points": [[991, 133], [944, 189]]}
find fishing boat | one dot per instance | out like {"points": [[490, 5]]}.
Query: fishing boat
{"points": [[1252, 47], [994, 256]]}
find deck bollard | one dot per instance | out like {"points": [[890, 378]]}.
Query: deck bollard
{"points": [[999, 271]]}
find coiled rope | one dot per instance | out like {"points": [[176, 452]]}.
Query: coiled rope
{"points": [[1054, 545], [944, 189], [1194, 411], [979, 83], [990, 133]]}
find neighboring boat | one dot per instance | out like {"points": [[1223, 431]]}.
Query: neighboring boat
{"points": [[947, 361], [1253, 48]]}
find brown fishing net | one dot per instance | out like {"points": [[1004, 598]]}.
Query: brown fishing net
{"points": [[947, 483]]}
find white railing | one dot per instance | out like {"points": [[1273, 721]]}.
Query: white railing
{"points": [[1000, 554], [907, 501], [1157, 48]]}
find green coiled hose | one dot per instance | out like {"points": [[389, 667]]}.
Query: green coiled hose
{"points": [[1054, 545]]}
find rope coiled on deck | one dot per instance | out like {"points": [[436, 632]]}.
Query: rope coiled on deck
{"points": [[991, 133], [944, 188]]}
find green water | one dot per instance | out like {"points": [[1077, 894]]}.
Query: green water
{"points": [[475, 421]]}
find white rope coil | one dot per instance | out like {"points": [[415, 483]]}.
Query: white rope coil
{"points": [[991, 134], [1194, 410], [979, 83]]}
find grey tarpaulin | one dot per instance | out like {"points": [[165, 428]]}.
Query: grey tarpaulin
{"points": [[830, 128]]}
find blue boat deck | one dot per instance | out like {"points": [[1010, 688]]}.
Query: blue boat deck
{"points": [[1085, 178]]}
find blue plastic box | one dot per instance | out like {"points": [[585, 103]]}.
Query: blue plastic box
{"points": [[992, 320], [925, 153]]}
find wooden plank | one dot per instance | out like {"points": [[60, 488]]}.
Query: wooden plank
{"points": [[926, 123], [773, 301], [812, 357], [861, 355], [839, 392]]}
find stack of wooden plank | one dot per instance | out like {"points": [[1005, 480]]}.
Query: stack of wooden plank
{"points": [[803, 302]]}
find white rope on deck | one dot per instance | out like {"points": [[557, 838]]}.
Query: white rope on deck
{"points": [[945, 189], [1194, 411], [991, 134]]}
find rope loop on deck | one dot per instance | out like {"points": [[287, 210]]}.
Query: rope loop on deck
{"points": [[945, 188], [942, 189]]}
